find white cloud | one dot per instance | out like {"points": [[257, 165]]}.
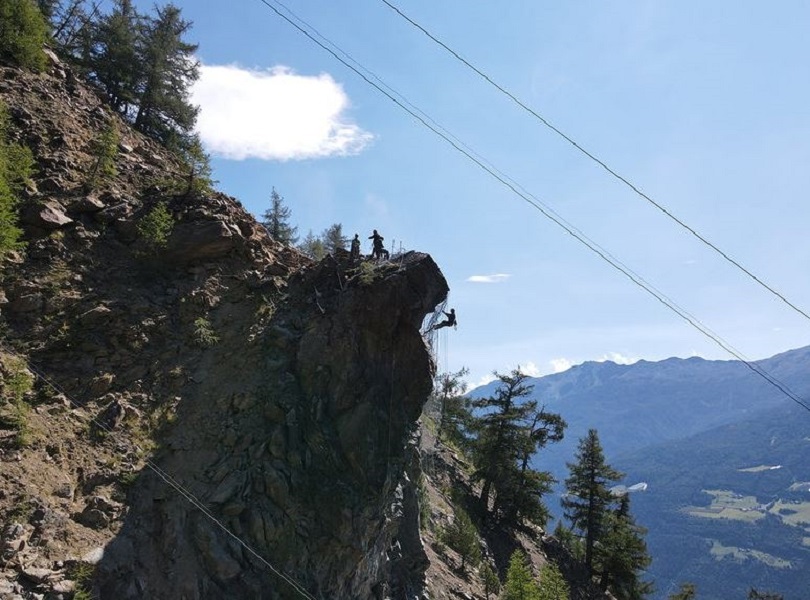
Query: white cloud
{"points": [[558, 365], [494, 278], [530, 369], [273, 114], [618, 358]]}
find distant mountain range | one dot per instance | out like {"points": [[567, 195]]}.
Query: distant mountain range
{"points": [[685, 425]]}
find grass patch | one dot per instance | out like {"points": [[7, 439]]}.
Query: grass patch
{"points": [[729, 505], [740, 555], [795, 515]]}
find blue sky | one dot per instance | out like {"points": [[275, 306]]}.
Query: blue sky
{"points": [[703, 105]]}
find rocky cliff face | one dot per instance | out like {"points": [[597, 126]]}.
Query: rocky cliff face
{"points": [[281, 394]]}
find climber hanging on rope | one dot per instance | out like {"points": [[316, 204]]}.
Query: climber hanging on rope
{"points": [[450, 322]]}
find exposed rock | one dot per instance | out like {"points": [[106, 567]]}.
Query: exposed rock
{"points": [[47, 215], [204, 240]]}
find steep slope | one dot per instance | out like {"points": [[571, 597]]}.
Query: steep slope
{"points": [[282, 394]]}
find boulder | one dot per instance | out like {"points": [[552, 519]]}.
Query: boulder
{"points": [[201, 240], [47, 215]]}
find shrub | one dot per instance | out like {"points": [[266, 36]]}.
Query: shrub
{"points": [[104, 149], [204, 333], [23, 33], [16, 168], [156, 227]]}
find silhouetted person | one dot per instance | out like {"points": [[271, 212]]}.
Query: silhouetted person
{"points": [[376, 244], [354, 252], [450, 322]]}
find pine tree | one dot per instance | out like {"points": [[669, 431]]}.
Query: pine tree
{"points": [[112, 55], [23, 32], [519, 584], [277, 220], [622, 554], [588, 498], [168, 70]]}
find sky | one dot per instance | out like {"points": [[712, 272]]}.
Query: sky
{"points": [[702, 105]]}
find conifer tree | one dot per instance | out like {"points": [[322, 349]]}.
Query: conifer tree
{"points": [[552, 585], [333, 238], [23, 32], [168, 70], [454, 412], [277, 220], [462, 536], [622, 554], [312, 246], [508, 430], [519, 584], [112, 55], [588, 498]]}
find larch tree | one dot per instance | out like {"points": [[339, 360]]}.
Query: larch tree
{"points": [[112, 55], [169, 69], [621, 555], [519, 584], [588, 499], [333, 238], [507, 431], [276, 220], [312, 246], [23, 32]]}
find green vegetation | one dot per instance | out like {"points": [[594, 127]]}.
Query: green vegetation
{"points": [[588, 499], [198, 166], [16, 168], [156, 227], [492, 585], [506, 433], [23, 33], [462, 536], [519, 584], [330, 240], [720, 552], [15, 383], [552, 585], [204, 334], [82, 574], [104, 149], [276, 220]]}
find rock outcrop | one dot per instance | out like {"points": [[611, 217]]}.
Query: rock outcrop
{"points": [[281, 394]]}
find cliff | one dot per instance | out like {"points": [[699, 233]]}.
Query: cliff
{"points": [[223, 370]]}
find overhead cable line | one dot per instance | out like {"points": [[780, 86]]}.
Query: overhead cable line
{"points": [[601, 163], [168, 479], [305, 29]]}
